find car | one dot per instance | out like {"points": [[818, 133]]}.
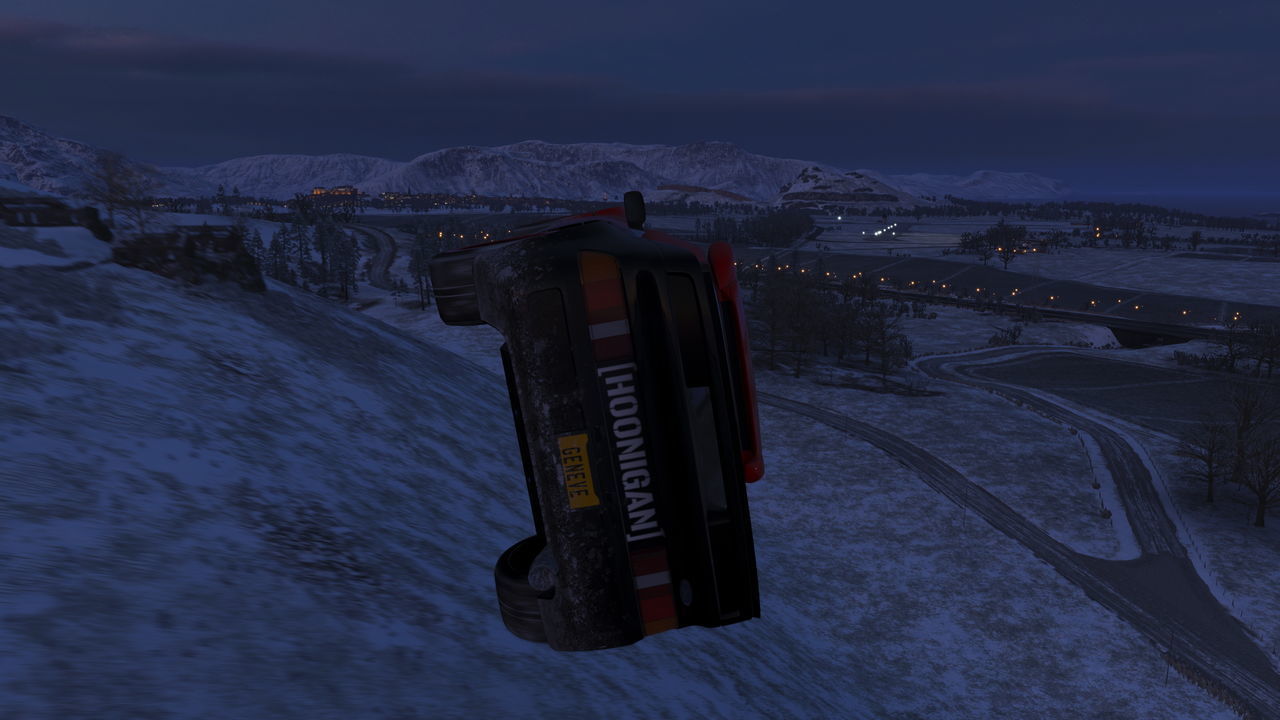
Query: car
{"points": [[627, 365]]}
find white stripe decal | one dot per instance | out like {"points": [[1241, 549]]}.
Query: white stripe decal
{"points": [[653, 580], [609, 329]]}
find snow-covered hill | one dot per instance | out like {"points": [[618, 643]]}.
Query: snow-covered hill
{"points": [[277, 176], [33, 158], [981, 185], [224, 504], [815, 186], [221, 504]]}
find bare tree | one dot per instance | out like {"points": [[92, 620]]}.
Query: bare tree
{"points": [[803, 304], [1263, 347], [1207, 447], [1252, 408], [770, 307], [1006, 254], [1261, 474], [117, 184], [420, 255]]}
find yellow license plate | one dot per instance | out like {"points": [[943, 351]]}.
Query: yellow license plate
{"points": [[575, 465]]}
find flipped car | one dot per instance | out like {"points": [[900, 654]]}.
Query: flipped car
{"points": [[627, 365]]}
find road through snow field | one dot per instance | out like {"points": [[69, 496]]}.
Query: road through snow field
{"points": [[1159, 594], [383, 256]]}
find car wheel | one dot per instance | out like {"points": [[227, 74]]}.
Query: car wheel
{"points": [[517, 600], [454, 286], [633, 206]]}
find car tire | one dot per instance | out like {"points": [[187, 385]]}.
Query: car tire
{"points": [[633, 207], [454, 285], [517, 600]]}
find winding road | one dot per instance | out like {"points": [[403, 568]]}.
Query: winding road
{"points": [[1160, 594], [384, 255]]}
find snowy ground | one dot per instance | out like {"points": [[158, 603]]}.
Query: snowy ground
{"points": [[266, 227], [933, 614], [1237, 561], [1242, 561], [1034, 465], [1240, 280], [234, 505], [1154, 270], [50, 246], [222, 504], [919, 599], [1233, 279], [958, 329]]}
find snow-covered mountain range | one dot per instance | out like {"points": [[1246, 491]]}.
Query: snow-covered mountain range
{"points": [[981, 185], [707, 171]]}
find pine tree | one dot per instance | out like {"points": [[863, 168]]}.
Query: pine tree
{"points": [[254, 245], [344, 260], [277, 261], [297, 244], [224, 203], [424, 247]]}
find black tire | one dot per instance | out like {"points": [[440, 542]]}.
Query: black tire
{"points": [[517, 601], [633, 203], [454, 285]]}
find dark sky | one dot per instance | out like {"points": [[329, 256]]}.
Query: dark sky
{"points": [[1139, 95]]}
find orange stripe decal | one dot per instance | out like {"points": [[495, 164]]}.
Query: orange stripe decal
{"points": [[657, 626]]}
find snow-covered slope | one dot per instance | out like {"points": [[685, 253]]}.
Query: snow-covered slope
{"points": [[981, 185], [221, 504], [13, 187], [38, 160], [64, 247], [815, 186]]}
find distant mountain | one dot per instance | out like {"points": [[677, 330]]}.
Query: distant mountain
{"points": [[703, 171], [526, 169], [277, 176], [981, 185]]}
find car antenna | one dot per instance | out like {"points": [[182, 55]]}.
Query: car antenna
{"points": [[633, 202]]}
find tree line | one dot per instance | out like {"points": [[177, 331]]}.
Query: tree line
{"points": [[802, 315], [323, 257], [1238, 442], [1253, 348], [778, 228]]}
